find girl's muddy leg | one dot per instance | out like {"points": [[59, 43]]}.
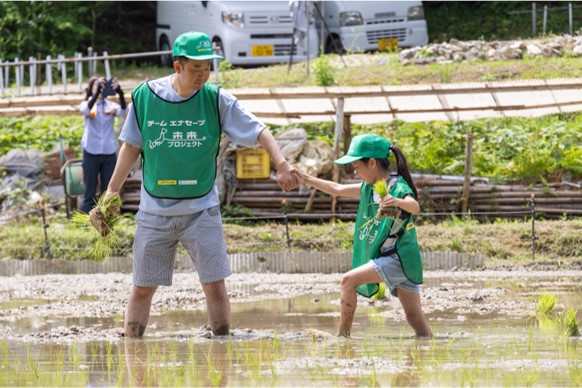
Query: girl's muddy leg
{"points": [[348, 303], [349, 299], [137, 313], [410, 302]]}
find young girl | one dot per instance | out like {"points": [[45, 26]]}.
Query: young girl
{"points": [[386, 248]]}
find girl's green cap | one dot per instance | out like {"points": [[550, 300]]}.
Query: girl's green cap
{"points": [[194, 45], [366, 146]]}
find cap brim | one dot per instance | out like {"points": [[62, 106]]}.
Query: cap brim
{"points": [[347, 159], [204, 57]]}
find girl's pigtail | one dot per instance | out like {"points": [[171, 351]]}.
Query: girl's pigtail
{"points": [[402, 168]]}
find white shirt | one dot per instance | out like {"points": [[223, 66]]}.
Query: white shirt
{"points": [[99, 135]]}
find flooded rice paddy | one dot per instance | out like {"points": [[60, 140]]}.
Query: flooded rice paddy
{"points": [[65, 330]]}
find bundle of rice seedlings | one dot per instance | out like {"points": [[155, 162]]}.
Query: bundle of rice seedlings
{"points": [[382, 189], [101, 220], [546, 303]]}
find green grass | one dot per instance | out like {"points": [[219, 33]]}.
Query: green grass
{"points": [[378, 69], [503, 243]]}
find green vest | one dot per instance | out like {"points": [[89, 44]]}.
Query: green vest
{"points": [[180, 142], [370, 236]]}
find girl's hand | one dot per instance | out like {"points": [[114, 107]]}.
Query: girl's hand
{"points": [[115, 86], [390, 201]]}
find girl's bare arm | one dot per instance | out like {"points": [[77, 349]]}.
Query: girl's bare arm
{"points": [[333, 188]]}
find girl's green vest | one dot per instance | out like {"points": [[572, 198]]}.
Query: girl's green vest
{"points": [[180, 142], [371, 233]]}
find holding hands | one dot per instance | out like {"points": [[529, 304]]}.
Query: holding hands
{"points": [[288, 177]]}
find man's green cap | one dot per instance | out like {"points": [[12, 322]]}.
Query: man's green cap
{"points": [[366, 146], [194, 45]]}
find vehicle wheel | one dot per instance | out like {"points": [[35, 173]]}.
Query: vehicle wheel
{"points": [[166, 59], [334, 45]]}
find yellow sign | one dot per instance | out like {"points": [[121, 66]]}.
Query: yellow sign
{"points": [[388, 44], [166, 182], [262, 50]]}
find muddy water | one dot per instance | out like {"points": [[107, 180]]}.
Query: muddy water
{"points": [[65, 331]]}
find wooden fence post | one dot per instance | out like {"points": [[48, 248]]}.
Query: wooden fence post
{"points": [[337, 137], [468, 166]]}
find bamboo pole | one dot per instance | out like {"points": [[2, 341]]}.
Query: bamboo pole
{"points": [[337, 137]]}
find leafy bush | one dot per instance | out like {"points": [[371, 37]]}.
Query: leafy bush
{"points": [[40, 132]]}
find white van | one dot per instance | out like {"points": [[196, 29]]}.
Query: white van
{"points": [[246, 32], [357, 26]]}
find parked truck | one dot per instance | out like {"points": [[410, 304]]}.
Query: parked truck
{"points": [[245, 32], [358, 26]]}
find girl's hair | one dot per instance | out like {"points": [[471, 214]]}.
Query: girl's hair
{"points": [[89, 89], [401, 167]]}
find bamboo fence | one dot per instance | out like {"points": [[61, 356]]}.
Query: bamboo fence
{"points": [[438, 196]]}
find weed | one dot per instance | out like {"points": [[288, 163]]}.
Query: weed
{"points": [[324, 71]]}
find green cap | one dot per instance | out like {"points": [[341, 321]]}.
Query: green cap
{"points": [[366, 146], [194, 45]]}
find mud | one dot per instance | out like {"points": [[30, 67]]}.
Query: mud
{"points": [[88, 307]]}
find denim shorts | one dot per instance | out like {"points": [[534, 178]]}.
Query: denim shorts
{"points": [[389, 268], [156, 241]]}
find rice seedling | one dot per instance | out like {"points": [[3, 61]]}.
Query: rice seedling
{"points": [[372, 378], [575, 371], [546, 303], [276, 344], [101, 220], [109, 360], [93, 350], [214, 373], [569, 323]]}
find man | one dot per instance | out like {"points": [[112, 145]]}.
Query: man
{"points": [[175, 123]]}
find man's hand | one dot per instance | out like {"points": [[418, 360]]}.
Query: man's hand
{"points": [[288, 177]]}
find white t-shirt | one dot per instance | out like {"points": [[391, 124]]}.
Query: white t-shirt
{"points": [[238, 124]]}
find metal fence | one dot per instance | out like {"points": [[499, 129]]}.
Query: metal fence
{"points": [[19, 75]]}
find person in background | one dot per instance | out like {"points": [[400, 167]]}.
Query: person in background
{"points": [[98, 141], [387, 247], [175, 123]]}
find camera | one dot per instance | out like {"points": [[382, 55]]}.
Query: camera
{"points": [[107, 89]]}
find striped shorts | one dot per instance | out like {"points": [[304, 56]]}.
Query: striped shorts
{"points": [[156, 240]]}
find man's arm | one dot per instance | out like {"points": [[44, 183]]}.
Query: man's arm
{"points": [[128, 154], [287, 177]]}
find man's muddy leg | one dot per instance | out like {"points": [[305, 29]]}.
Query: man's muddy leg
{"points": [[137, 313], [218, 307]]}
